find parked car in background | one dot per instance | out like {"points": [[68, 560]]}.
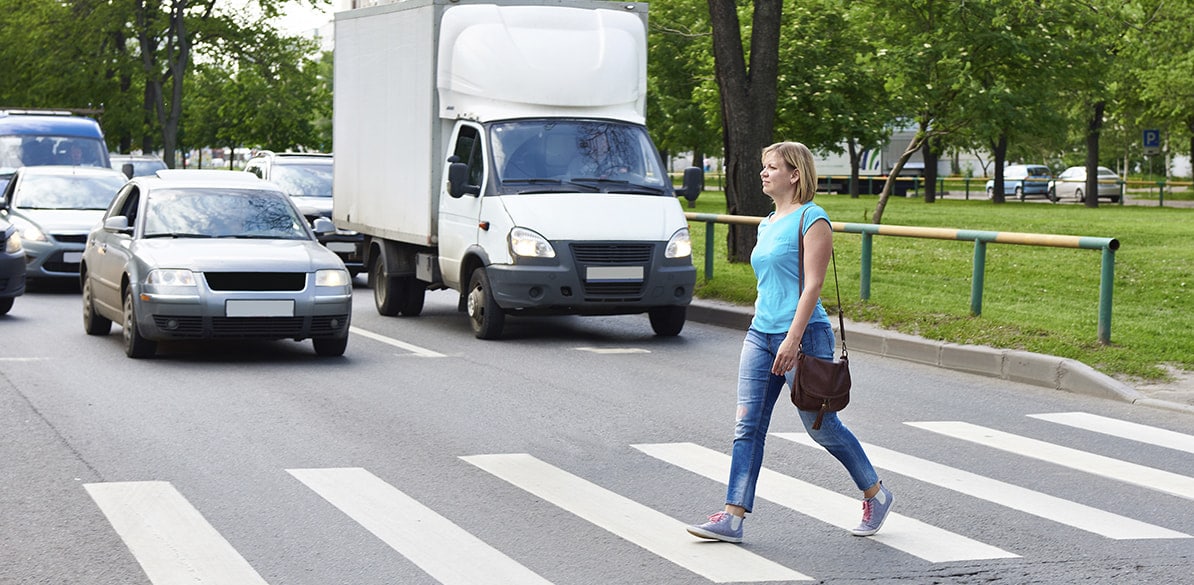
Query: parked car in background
{"points": [[1071, 185], [206, 254], [307, 177], [141, 164], [12, 266], [1023, 181], [54, 207]]}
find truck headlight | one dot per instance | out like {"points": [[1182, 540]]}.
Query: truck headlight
{"points": [[528, 244], [679, 246], [171, 277], [332, 277]]}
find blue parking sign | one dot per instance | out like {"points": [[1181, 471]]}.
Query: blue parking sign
{"points": [[1152, 139]]}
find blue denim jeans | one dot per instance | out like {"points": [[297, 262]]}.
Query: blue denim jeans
{"points": [[758, 391]]}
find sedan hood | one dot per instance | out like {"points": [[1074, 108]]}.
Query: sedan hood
{"points": [[63, 221], [233, 255], [596, 216]]}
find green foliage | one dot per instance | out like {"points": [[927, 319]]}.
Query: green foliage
{"points": [[1036, 299]]}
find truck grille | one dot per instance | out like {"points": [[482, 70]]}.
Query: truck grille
{"points": [[256, 281], [613, 254]]}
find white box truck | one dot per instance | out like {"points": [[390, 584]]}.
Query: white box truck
{"points": [[498, 149]]}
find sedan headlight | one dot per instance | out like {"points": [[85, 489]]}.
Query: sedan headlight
{"points": [[528, 244], [680, 246], [171, 277], [29, 232], [332, 277], [13, 246]]}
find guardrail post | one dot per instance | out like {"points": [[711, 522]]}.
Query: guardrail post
{"points": [[864, 279], [977, 277], [1106, 282], [709, 236]]}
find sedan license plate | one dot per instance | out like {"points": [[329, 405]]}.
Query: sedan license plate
{"points": [[342, 246], [72, 257], [614, 274], [256, 308]]}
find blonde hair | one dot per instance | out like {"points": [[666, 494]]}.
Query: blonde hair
{"points": [[799, 157]]}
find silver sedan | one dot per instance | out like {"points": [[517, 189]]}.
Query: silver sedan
{"points": [[212, 255], [1070, 185]]}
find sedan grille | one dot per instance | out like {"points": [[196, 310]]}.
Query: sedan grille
{"points": [[70, 238], [191, 327], [256, 281]]}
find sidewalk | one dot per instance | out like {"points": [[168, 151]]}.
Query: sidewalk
{"points": [[1017, 366]]}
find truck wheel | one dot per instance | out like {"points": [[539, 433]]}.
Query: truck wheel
{"points": [[413, 293], [667, 321], [330, 346], [135, 346], [484, 314], [386, 290], [93, 323]]}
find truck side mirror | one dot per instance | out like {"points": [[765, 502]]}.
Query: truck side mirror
{"points": [[458, 181], [694, 183]]}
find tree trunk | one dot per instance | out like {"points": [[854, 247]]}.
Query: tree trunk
{"points": [[1093, 127], [855, 161], [913, 146], [748, 101], [1000, 152], [930, 173]]}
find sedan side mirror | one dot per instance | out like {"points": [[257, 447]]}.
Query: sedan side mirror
{"points": [[118, 223], [323, 225]]}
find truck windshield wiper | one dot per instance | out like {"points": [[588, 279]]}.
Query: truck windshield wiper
{"points": [[533, 181], [632, 187]]}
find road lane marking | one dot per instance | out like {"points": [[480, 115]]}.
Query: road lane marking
{"points": [[899, 532], [435, 544], [1005, 494], [634, 522], [1122, 429], [419, 351], [1131, 473], [171, 540], [613, 350]]}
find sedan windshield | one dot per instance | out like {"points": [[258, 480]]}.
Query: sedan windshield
{"points": [[223, 213], [67, 191], [537, 156], [304, 180]]}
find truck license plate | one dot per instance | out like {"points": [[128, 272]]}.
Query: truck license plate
{"points": [[256, 308], [614, 274]]}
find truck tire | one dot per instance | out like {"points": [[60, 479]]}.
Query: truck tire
{"points": [[484, 314], [413, 293], [386, 290], [667, 321]]}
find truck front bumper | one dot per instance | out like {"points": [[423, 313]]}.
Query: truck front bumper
{"points": [[595, 279]]}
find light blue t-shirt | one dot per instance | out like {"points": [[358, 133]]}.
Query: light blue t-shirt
{"points": [[776, 262]]}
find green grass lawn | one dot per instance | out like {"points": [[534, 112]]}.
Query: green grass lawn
{"points": [[1038, 299]]}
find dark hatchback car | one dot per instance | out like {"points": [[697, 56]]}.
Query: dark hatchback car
{"points": [[12, 266]]}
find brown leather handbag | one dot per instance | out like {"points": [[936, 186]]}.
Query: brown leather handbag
{"points": [[822, 385]]}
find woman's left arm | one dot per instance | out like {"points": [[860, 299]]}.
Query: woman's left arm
{"points": [[818, 247]]}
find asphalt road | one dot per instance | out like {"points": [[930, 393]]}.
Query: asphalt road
{"points": [[572, 452]]}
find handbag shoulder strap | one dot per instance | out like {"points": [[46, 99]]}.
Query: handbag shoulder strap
{"points": [[840, 318]]}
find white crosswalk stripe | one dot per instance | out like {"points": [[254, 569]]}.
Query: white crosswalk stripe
{"points": [[171, 540], [1005, 494], [1131, 473], [1122, 429], [430, 541], [632, 521], [900, 532]]}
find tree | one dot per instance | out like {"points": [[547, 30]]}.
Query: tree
{"points": [[748, 100]]}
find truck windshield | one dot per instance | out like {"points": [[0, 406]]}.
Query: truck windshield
{"points": [[538, 156]]}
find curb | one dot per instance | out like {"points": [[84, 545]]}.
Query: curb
{"points": [[1025, 367]]}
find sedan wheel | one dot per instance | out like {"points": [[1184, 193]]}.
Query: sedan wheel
{"points": [[330, 346], [6, 305], [135, 346], [93, 323], [1078, 196]]}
